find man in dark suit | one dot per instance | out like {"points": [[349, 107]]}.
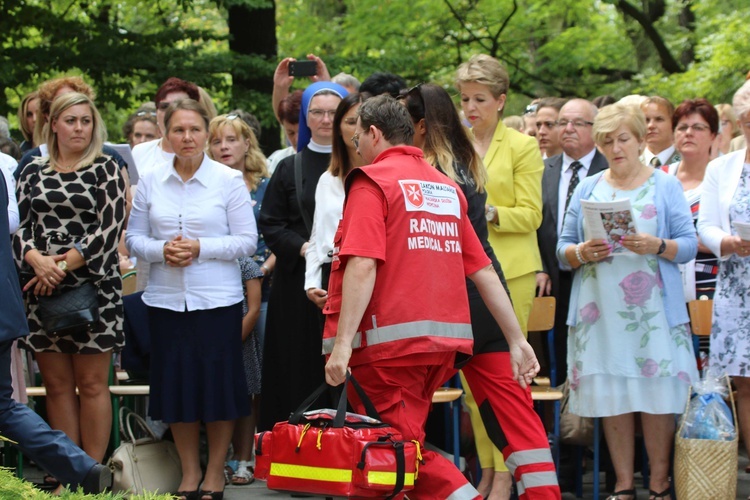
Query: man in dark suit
{"points": [[51, 449], [562, 173]]}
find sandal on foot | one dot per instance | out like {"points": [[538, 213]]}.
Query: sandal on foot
{"points": [[652, 495], [230, 466], [213, 495], [188, 495], [243, 474], [625, 493]]}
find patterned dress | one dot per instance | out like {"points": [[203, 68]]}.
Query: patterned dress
{"points": [[730, 332], [83, 209], [252, 349], [622, 355]]}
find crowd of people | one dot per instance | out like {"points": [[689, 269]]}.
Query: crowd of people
{"points": [[262, 277]]}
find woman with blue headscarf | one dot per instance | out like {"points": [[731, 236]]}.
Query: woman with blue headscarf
{"points": [[292, 358]]}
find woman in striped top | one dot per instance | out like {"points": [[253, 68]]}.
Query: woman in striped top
{"points": [[695, 123]]}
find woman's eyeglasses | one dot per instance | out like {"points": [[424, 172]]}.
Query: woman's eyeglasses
{"points": [[320, 113], [406, 92], [145, 113], [697, 127]]}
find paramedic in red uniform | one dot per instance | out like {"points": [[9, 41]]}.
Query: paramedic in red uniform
{"points": [[398, 312]]}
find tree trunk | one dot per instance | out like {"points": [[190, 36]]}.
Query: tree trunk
{"points": [[253, 33]]}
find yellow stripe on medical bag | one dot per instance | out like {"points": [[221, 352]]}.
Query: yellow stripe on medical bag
{"points": [[312, 473], [388, 478]]}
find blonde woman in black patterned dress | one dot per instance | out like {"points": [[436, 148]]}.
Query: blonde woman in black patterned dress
{"points": [[72, 209]]}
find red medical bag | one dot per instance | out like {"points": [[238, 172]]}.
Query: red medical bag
{"points": [[335, 453]]}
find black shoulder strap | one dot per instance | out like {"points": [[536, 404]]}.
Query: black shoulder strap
{"points": [[298, 188]]}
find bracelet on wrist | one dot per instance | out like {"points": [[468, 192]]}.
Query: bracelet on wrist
{"points": [[579, 256]]}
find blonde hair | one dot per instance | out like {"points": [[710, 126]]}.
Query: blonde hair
{"points": [[27, 134], [741, 101], [98, 132], [514, 122], [255, 163], [611, 117], [485, 70], [727, 113], [207, 103]]}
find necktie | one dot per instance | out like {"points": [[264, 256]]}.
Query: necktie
{"points": [[655, 162], [575, 167]]}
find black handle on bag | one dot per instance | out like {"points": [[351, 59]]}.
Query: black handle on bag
{"points": [[400, 469], [340, 418], [398, 447]]}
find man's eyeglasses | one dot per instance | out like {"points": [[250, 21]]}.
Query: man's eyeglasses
{"points": [[697, 127], [355, 139], [320, 113], [575, 123]]}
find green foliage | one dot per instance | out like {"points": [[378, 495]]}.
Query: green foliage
{"points": [[12, 487], [567, 47], [125, 49], [722, 59]]}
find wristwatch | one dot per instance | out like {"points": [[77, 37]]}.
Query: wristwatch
{"points": [[490, 213], [62, 265], [662, 247]]}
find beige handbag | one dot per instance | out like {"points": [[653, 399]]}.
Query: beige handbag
{"points": [[574, 429], [144, 465]]}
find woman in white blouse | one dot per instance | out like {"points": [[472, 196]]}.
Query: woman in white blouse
{"points": [[724, 211], [329, 200], [191, 222]]}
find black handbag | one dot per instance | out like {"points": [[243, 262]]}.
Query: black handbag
{"points": [[72, 311]]}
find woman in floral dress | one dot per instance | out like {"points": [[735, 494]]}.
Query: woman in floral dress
{"points": [[724, 203], [629, 346]]}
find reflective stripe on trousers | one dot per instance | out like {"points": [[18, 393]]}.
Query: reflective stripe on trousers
{"points": [[466, 492], [531, 478], [536, 480]]}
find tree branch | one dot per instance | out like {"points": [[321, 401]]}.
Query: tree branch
{"points": [[502, 27], [668, 62], [463, 24]]}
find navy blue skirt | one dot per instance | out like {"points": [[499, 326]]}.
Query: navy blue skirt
{"points": [[196, 365]]}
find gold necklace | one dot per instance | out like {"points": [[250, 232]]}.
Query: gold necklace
{"points": [[626, 186]]}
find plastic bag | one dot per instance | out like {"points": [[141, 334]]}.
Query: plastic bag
{"points": [[708, 416]]}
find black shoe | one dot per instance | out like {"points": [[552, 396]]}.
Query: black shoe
{"points": [[98, 479]]}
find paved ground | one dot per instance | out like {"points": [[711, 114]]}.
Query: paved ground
{"points": [[259, 491]]}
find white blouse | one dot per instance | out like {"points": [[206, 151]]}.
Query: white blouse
{"points": [[213, 207], [329, 205]]}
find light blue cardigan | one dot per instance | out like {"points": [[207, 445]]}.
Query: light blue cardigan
{"points": [[673, 221]]}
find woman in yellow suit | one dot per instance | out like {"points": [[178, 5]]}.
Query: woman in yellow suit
{"points": [[514, 212]]}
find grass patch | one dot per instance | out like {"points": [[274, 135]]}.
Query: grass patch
{"points": [[13, 488]]}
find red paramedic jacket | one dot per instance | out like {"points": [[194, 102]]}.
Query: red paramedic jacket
{"points": [[419, 303]]}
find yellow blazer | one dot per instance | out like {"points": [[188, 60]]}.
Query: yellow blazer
{"points": [[514, 170]]}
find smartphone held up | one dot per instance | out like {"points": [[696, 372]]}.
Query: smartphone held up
{"points": [[303, 68]]}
